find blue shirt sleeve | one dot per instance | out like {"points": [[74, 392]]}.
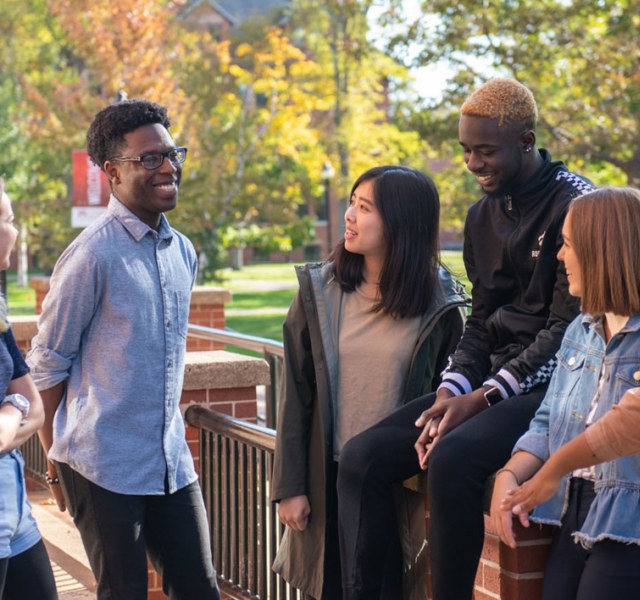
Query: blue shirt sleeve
{"points": [[20, 368]]}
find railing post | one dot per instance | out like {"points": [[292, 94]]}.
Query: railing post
{"points": [[272, 391]]}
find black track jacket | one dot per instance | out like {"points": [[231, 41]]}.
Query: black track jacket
{"points": [[520, 299]]}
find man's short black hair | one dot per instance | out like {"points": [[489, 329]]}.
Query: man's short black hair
{"points": [[106, 133]]}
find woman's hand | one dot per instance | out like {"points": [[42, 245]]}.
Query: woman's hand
{"points": [[522, 500], [294, 512], [501, 518]]}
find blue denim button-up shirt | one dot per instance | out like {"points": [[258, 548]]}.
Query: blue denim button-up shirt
{"points": [[114, 325], [615, 512]]}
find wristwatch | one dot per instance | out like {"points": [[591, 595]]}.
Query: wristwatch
{"points": [[20, 402], [492, 394]]}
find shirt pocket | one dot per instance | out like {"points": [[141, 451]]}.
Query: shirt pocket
{"points": [[572, 372], [626, 377], [571, 365]]}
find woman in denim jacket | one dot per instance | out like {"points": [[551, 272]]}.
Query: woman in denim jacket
{"points": [[596, 548]]}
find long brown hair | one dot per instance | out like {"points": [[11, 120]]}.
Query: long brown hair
{"points": [[605, 233]]}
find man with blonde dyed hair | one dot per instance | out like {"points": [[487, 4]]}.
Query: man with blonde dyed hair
{"points": [[499, 372]]}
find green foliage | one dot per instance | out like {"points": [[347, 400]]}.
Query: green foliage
{"points": [[361, 128], [270, 238], [579, 58], [262, 112]]}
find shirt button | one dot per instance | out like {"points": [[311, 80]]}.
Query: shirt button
{"points": [[572, 361]]}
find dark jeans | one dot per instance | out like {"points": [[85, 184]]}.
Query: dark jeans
{"points": [[459, 466], [28, 576], [608, 570], [118, 531]]}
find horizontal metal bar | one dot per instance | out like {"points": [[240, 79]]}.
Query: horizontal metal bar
{"points": [[248, 342], [236, 429]]}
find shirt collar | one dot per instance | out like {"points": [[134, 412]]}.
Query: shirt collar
{"points": [[134, 225], [632, 325]]}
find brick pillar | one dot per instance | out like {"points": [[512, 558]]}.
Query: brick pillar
{"points": [[513, 574], [41, 286], [207, 309], [222, 381]]}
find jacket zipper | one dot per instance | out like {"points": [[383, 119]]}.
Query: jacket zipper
{"points": [[509, 206]]}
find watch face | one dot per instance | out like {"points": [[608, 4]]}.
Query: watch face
{"points": [[493, 395], [19, 401]]}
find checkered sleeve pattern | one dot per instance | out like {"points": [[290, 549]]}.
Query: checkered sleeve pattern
{"points": [[542, 375]]}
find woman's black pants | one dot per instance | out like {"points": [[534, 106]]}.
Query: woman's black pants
{"points": [[457, 473]]}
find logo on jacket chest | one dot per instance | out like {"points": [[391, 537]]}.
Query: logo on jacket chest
{"points": [[535, 253]]}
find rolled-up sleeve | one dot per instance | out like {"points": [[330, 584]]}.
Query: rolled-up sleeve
{"points": [[66, 312], [48, 368]]}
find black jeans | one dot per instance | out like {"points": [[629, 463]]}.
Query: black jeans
{"points": [[28, 576], [118, 531], [608, 570], [459, 466]]}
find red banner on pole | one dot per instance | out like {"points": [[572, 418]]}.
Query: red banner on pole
{"points": [[90, 190]]}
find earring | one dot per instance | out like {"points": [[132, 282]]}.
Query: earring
{"points": [[527, 149]]}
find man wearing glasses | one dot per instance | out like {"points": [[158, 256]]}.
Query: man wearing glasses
{"points": [[109, 362]]}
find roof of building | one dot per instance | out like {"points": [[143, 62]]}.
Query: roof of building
{"points": [[236, 11]]}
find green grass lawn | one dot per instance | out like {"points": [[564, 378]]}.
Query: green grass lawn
{"points": [[20, 301], [281, 273]]}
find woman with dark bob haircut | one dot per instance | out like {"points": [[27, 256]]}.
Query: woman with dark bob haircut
{"points": [[595, 549], [369, 330]]}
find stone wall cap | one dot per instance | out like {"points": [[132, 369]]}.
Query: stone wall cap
{"points": [[219, 369], [206, 294], [24, 326]]}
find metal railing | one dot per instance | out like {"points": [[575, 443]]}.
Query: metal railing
{"points": [[35, 461], [236, 459], [271, 350]]}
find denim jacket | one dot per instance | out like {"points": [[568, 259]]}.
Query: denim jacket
{"points": [[615, 511]]}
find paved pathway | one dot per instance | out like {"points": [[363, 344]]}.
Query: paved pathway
{"points": [[74, 579]]}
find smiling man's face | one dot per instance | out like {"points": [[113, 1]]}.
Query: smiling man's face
{"points": [[493, 154], [145, 193]]}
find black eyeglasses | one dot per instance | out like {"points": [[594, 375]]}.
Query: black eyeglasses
{"points": [[154, 160]]}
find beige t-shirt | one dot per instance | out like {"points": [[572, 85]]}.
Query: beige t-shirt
{"points": [[617, 433], [374, 356]]}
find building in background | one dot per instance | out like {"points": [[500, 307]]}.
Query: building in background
{"points": [[220, 17]]}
